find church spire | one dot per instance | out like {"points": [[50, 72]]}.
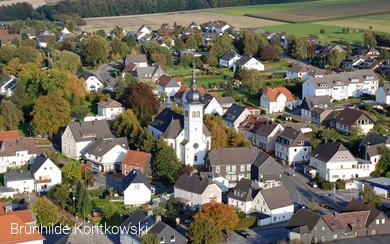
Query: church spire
{"points": [[193, 95], [169, 102], [193, 80]]}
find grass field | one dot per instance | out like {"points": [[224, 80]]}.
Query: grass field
{"points": [[34, 3], [204, 80]]}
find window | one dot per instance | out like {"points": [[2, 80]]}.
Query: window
{"points": [[227, 177], [248, 167], [195, 158], [295, 150], [217, 169], [227, 168], [51, 167], [162, 240], [373, 232], [45, 168], [377, 221], [137, 187], [233, 168], [233, 177], [172, 238], [242, 167], [383, 221], [335, 237], [323, 228]]}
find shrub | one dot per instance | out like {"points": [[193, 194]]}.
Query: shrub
{"points": [[169, 221], [375, 174], [340, 186], [387, 174], [96, 193], [22, 201], [241, 214], [322, 31], [246, 223]]}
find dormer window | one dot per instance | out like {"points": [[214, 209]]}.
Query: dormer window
{"points": [[300, 143]]}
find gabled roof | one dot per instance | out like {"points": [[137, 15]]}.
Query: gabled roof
{"points": [[233, 156], [167, 81], [354, 206], [12, 134], [266, 129], [344, 221], [234, 111], [102, 146], [244, 59], [303, 221], [327, 149], [129, 68], [261, 158], [7, 221], [349, 116], [18, 176], [342, 79], [160, 228], [148, 72], [386, 88], [7, 79], [194, 183], [39, 161], [206, 99], [245, 190], [28, 31], [276, 197], [134, 157], [302, 69], [85, 75], [11, 146], [179, 94], [90, 130], [110, 103], [42, 38], [162, 121], [173, 130], [221, 100], [136, 177], [293, 136], [311, 102], [229, 56], [141, 58], [274, 93]]}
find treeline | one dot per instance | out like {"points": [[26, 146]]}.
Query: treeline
{"points": [[98, 8]]}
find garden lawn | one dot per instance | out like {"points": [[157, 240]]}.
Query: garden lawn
{"points": [[204, 80], [254, 100]]}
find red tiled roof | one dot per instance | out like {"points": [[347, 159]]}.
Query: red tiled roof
{"points": [[179, 80], [130, 67], [23, 215], [136, 158], [164, 80], [214, 94], [179, 94], [24, 235], [273, 93], [12, 134]]}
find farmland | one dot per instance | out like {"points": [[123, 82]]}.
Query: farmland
{"points": [[326, 12], [34, 3]]}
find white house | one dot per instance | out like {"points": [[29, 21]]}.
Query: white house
{"points": [[349, 118], [7, 85], [275, 100], [248, 62], [197, 189], [167, 85], [6, 192], [16, 152], [331, 160], [78, 136], [92, 83], [110, 109], [342, 86], [211, 105], [352, 63], [107, 154], [217, 27], [292, 146], [138, 60], [29, 32], [42, 41], [46, 174], [383, 94], [225, 102], [20, 181], [300, 71], [235, 115], [137, 188], [228, 60], [311, 102]]}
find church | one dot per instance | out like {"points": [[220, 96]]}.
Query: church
{"points": [[186, 134]]}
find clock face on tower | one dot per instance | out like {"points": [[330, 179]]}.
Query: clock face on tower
{"points": [[196, 145]]}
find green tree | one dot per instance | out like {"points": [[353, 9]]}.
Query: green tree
{"points": [[95, 49], [370, 197], [127, 124], [101, 33], [7, 52], [185, 60], [322, 31], [108, 209], [50, 113], [179, 44], [191, 43], [11, 115], [60, 192], [229, 89], [253, 80], [166, 161], [203, 230], [298, 47], [369, 39], [335, 58], [83, 199], [66, 60], [313, 205], [72, 170], [118, 31], [131, 41], [28, 54], [150, 238], [45, 212], [384, 162], [384, 54], [349, 49], [221, 45], [123, 86], [120, 48], [211, 60]]}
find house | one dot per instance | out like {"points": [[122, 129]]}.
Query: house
{"points": [[265, 136], [167, 85], [136, 188], [265, 171], [139, 60], [10, 134], [42, 40], [292, 146], [228, 60], [349, 118], [16, 152], [137, 160], [107, 154], [6, 192], [235, 115], [299, 71], [320, 116], [196, 189], [92, 83], [311, 102], [225, 102], [249, 124], [332, 161], [242, 195], [139, 223], [29, 32], [78, 136], [194, 25], [21, 182], [208, 37], [45, 32], [342, 86], [275, 100], [248, 62], [218, 179], [166, 29], [353, 62], [6, 37], [382, 95], [8, 85], [211, 105], [110, 109], [150, 73], [371, 145], [46, 174], [367, 51], [217, 27]]}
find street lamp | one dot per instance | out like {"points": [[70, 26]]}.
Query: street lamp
{"points": [[74, 205], [29, 131]]}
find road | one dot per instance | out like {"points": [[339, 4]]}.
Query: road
{"points": [[104, 73], [293, 61]]}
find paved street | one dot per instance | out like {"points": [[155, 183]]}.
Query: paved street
{"points": [[105, 181], [104, 73]]}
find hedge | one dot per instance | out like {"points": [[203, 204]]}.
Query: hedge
{"points": [[246, 223], [96, 193]]}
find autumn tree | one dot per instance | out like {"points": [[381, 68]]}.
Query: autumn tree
{"points": [[184, 169], [142, 101], [66, 60], [95, 49], [120, 49], [167, 162], [60, 192], [203, 230], [27, 54], [252, 80], [268, 53], [12, 68], [239, 140], [370, 197], [219, 137], [11, 115], [50, 113], [369, 39], [127, 124], [335, 58], [72, 170], [46, 213], [221, 214], [7, 52]]}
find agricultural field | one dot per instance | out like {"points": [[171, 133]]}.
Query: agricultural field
{"points": [[326, 12], [34, 3]]}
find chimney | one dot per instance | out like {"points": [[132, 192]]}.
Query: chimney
{"points": [[352, 227], [8, 208], [150, 213], [201, 179], [158, 218], [134, 172], [336, 215]]}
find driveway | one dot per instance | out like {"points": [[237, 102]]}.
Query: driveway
{"points": [[293, 61], [103, 181], [260, 235], [105, 71]]}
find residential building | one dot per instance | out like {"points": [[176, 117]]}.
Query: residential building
{"points": [[110, 109], [370, 147], [42, 40], [352, 63], [311, 102], [248, 62], [265, 171], [78, 136], [320, 116], [367, 51], [21, 182], [348, 119], [46, 174], [194, 25], [6, 37], [29, 32], [91, 82], [140, 223], [15, 153], [167, 85], [150, 73], [275, 100], [300, 71], [343, 85], [228, 60], [138, 60], [235, 115], [186, 134], [218, 179], [137, 160], [292, 146], [217, 27], [136, 188], [211, 105], [225, 102], [107, 154], [382, 95], [6, 192], [242, 195], [250, 124], [196, 190], [265, 136], [8, 85]]}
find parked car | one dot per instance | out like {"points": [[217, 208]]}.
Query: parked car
{"points": [[243, 233], [288, 173], [187, 221], [225, 235], [313, 184]]}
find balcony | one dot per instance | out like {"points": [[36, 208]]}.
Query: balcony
{"points": [[41, 181]]}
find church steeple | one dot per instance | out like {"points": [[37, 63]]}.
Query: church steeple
{"points": [[193, 95]]}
